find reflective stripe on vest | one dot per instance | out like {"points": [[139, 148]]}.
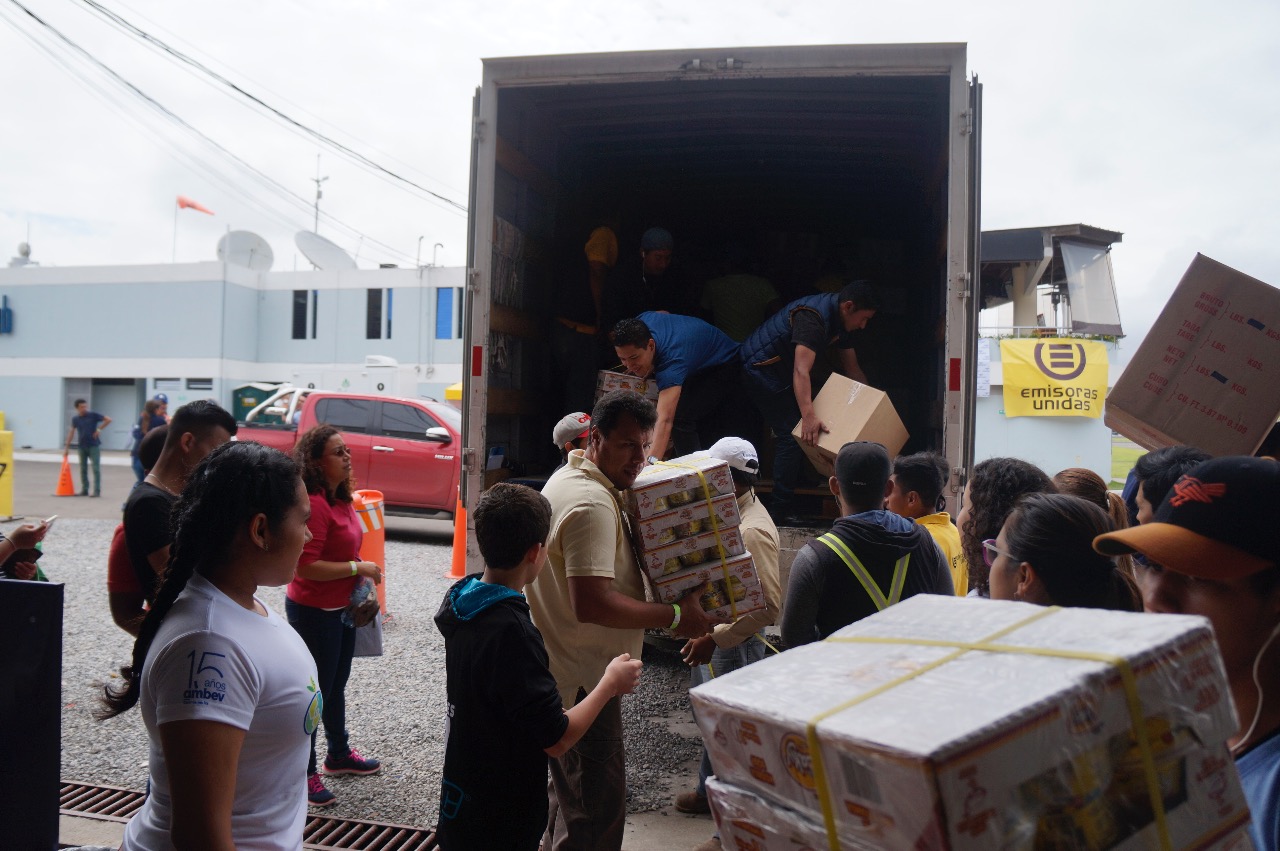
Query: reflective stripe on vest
{"points": [[860, 573]]}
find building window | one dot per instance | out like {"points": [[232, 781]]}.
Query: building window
{"points": [[199, 383], [377, 322], [168, 384], [304, 314], [444, 313]]}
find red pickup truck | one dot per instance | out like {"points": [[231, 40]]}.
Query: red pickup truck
{"points": [[407, 448]]}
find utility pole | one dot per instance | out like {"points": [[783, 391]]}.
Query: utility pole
{"points": [[319, 194]]}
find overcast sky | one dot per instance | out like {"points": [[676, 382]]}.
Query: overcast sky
{"points": [[1159, 120]]}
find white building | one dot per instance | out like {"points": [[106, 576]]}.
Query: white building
{"points": [[117, 335]]}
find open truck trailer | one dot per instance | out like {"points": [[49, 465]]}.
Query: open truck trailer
{"points": [[862, 156]]}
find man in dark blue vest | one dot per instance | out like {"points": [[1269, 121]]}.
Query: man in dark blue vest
{"points": [[777, 360]]}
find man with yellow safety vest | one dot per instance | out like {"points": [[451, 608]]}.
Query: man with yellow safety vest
{"points": [[871, 558]]}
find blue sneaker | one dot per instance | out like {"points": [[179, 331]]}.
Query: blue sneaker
{"points": [[317, 795], [352, 763]]}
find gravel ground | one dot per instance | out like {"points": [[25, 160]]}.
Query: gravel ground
{"points": [[395, 703]]}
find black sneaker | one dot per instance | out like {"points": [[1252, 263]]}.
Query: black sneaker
{"points": [[317, 795], [352, 763]]}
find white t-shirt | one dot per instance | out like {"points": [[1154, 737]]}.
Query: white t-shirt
{"points": [[214, 660]]}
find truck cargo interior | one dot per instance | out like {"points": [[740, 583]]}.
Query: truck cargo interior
{"points": [[802, 179]]}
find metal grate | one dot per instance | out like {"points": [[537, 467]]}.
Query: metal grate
{"points": [[321, 833], [106, 803]]}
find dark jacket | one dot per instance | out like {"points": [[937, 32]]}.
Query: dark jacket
{"points": [[769, 352], [823, 594], [503, 712]]}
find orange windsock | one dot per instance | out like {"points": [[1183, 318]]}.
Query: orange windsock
{"points": [[185, 203]]}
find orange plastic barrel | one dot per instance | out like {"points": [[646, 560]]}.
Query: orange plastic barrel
{"points": [[373, 547]]}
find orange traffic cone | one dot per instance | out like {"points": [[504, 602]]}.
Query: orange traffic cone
{"points": [[66, 487], [459, 568]]}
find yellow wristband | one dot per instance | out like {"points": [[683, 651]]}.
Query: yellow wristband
{"points": [[354, 569], [675, 623]]}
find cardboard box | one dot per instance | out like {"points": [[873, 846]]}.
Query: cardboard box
{"points": [[675, 483], [685, 553], [929, 746], [748, 594], [607, 380], [852, 411], [746, 820], [1205, 374], [687, 521]]}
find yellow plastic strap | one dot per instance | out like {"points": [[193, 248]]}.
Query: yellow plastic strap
{"points": [[715, 527], [869, 585], [988, 645]]}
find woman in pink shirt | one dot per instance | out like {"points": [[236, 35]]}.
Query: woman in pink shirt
{"points": [[327, 573]]}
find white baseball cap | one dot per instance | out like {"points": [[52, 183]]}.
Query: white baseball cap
{"points": [[738, 453], [571, 427]]}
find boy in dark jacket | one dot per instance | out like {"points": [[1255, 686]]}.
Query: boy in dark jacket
{"points": [[871, 558], [504, 712]]}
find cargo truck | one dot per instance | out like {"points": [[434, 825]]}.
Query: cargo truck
{"points": [[861, 157]]}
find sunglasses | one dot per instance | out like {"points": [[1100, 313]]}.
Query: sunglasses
{"points": [[990, 552]]}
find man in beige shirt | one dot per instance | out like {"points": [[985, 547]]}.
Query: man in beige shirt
{"points": [[731, 646], [589, 604]]}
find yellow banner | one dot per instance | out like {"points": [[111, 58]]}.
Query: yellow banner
{"points": [[1054, 377]]}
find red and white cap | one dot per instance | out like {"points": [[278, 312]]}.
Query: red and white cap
{"points": [[571, 427]]}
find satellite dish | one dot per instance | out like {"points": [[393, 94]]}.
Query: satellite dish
{"points": [[244, 248], [321, 252]]}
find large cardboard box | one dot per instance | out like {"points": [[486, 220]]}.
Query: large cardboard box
{"points": [[1208, 370], [607, 380], [852, 411], [928, 743]]}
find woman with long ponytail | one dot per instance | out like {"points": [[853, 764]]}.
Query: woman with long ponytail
{"points": [[227, 689]]}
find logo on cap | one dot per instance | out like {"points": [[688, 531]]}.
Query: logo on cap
{"points": [[1190, 489], [1065, 360]]}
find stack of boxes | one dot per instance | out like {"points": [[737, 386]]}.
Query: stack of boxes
{"points": [[948, 723], [686, 521]]}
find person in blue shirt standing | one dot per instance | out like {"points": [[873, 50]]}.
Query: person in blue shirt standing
{"points": [[696, 366], [88, 425]]}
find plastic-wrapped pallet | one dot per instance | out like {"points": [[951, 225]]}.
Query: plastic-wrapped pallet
{"points": [[952, 723]]}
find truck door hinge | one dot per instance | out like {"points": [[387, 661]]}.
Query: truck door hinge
{"points": [[473, 280], [964, 286], [966, 122], [468, 460], [477, 129]]}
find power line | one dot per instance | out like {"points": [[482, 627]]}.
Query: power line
{"points": [[286, 194], [194, 49], [204, 69]]}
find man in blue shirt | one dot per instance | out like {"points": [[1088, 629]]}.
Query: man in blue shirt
{"points": [[87, 424], [696, 366], [1212, 550]]}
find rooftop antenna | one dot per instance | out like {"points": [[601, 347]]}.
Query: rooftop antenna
{"points": [[319, 194]]}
